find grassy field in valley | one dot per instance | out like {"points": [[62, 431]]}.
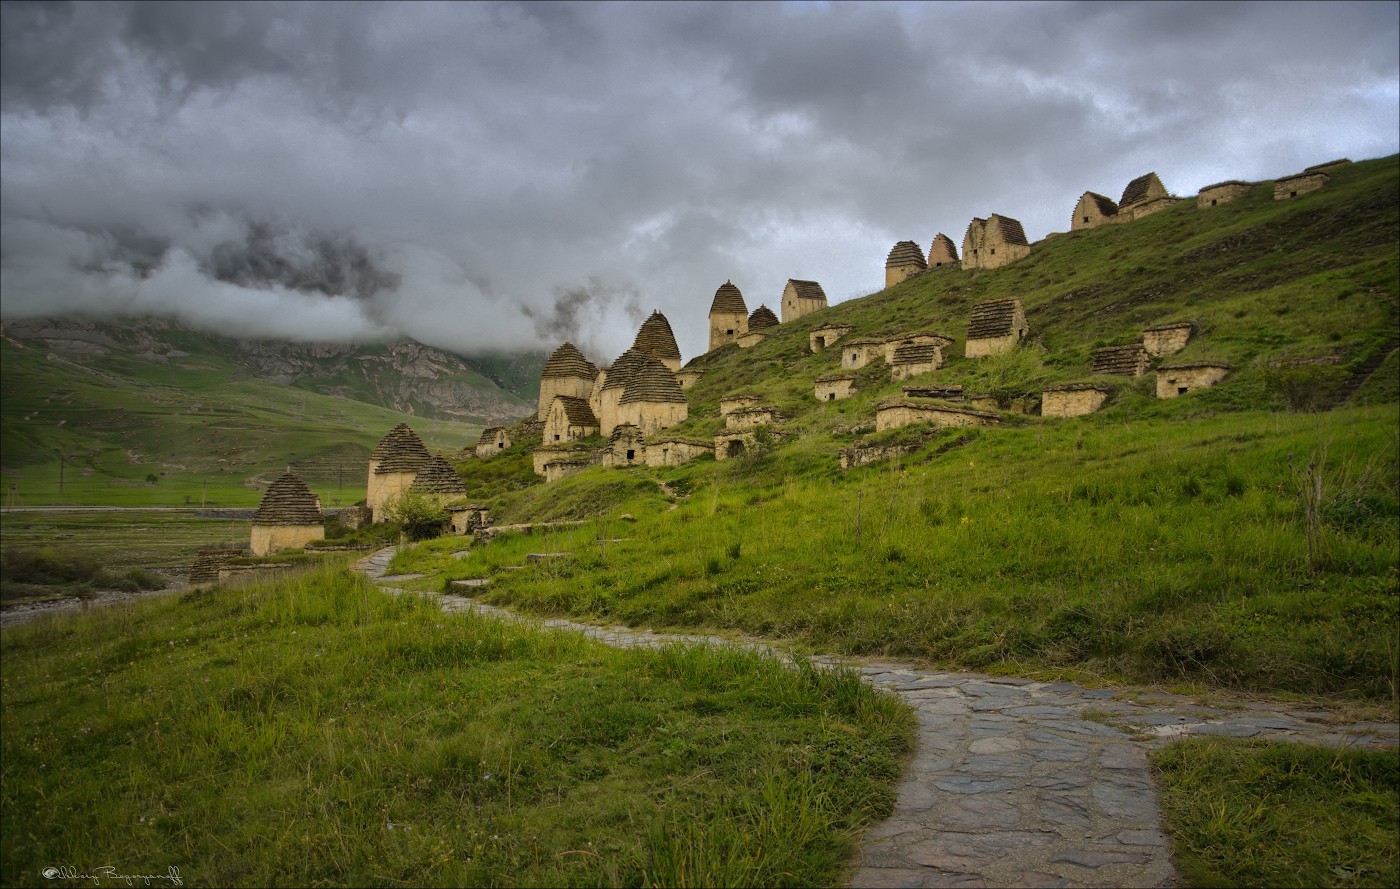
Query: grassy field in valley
{"points": [[194, 432]]}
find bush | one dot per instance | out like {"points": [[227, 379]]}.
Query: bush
{"points": [[46, 566], [1009, 375], [1311, 387], [419, 516]]}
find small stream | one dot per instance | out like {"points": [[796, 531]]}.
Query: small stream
{"points": [[23, 612]]}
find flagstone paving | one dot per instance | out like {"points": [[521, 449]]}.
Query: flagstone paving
{"points": [[1016, 782]]}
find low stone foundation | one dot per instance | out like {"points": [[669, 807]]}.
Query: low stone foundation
{"points": [[894, 413], [207, 563], [1176, 381], [1073, 400], [269, 539], [857, 456]]}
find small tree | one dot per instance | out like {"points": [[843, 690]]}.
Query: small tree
{"points": [[1307, 388], [419, 516]]}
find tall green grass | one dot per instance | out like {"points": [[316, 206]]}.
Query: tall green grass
{"points": [[315, 731], [1254, 814], [1151, 549]]}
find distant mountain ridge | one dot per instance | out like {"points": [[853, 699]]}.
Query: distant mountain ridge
{"points": [[404, 375]]}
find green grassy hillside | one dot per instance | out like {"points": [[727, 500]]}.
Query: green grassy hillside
{"points": [[1219, 538], [1263, 280], [197, 429]]}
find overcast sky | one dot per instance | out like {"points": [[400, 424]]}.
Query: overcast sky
{"points": [[509, 175]]}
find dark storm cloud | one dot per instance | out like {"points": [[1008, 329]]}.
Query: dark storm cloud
{"points": [[479, 175]]}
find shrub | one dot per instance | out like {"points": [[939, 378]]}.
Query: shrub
{"points": [[1307, 388], [419, 516], [1011, 374]]}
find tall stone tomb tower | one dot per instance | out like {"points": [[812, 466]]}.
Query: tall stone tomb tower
{"points": [[566, 372], [729, 317], [656, 339], [905, 259]]}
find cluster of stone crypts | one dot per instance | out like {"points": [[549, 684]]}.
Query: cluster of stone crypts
{"points": [[289, 517], [393, 465], [643, 390], [995, 326], [997, 240], [441, 484], [1311, 179], [730, 321], [400, 463], [1143, 196]]}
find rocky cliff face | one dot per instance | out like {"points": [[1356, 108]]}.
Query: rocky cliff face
{"points": [[405, 375]]}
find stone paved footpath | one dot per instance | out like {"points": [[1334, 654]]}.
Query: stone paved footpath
{"points": [[1016, 782]]}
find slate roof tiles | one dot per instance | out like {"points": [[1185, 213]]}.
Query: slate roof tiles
{"points": [[288, 501]]}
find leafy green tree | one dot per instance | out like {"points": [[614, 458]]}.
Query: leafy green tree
{"points": [[419, 516]]}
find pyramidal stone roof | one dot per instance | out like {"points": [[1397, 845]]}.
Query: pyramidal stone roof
{"points": [[438, 477], [1128, 360], [623, 368], [807, 289], [1104, 205], [905, 253], [992, 318], [568, 361], [393, 440], [1140, 189], [656, 338], [1010, 229], [652, 382], [729, 299], [624, 431], [942, 249], [489, 434], [578, 411], [762, 317], [288, 501], [400, 451], [916, 353]]}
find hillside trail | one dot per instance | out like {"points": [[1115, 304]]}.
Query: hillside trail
{"points": [[1015, 782]]}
